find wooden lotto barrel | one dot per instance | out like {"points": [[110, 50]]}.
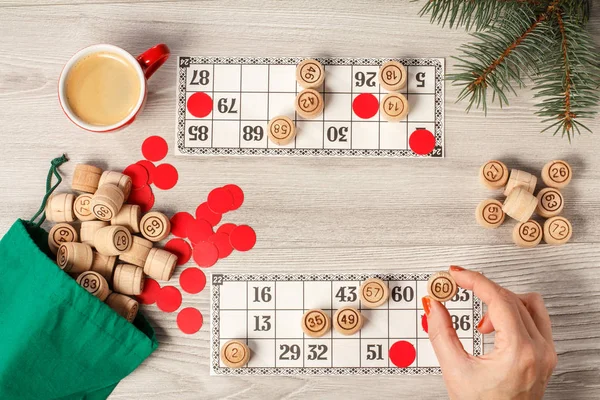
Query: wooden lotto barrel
{"points": [[82, 207], [522, 179], [155, 226], [128, 279], [104, 265], [59, 234], [138, 252], [129, 216], [112, 240], [557, 174], [88, 231], [86, 178], [107, 202], [74, 258], [118, 179], [123, 305], [520, 204], [59, 208], [94, 283], [160, 264]]}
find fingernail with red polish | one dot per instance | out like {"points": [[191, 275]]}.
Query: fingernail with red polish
{"points": [[426, 305], [456, 268], [480, 324]]}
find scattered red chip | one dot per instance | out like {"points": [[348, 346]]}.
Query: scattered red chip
{"points": [[402, 354], [205, 254], [150, 292], [242, 238], [143, 197], [169, 299], [238, 196], [205, 213], [221, 241], [226, 228], [149, 166], [138, 175], [220, 200], [181, 249], [199, 230], [165, 176], [179, 223], [192, 280], [424, 323], [155, 148], [189, 320]]}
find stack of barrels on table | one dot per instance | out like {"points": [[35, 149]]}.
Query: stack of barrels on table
{"points": [[521, 203], [105, 256]]}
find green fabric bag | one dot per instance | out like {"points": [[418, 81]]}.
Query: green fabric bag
{"points": [[57, 341]]}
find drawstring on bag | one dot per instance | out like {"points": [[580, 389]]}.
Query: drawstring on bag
{"points": [[57, 162]]}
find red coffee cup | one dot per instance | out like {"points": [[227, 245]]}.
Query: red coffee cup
{"points": [[144, 65]]}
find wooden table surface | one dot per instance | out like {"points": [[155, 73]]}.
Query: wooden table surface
{"points": [[310, 214]]}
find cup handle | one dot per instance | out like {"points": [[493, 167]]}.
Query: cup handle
{"points": [[153, 58]]}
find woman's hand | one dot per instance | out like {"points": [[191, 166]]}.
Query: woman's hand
{"points": [[523, 358]]}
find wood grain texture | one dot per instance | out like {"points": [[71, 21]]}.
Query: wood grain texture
{"points": [[349, 215]]}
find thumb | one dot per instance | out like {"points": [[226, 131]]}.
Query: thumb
{"points": [[442, 335]]}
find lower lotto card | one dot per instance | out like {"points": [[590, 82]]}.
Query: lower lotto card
{"points": [[264, 311]]}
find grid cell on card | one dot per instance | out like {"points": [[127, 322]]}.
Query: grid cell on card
{"points": [[375, 324], [346, 353], [425, 355], [289, 295], [288, 324], [421, 292], [309, 134], [345, 294], [202, 105], [199, 78], [282, 78], [289, 353], [221, 344], [232, 324], [255, 78], [338, 106], [337, 135], [414, 343], [198, 133], [226, 134], [226, 106], [462, 320], [261, 323], [421, 107], [282, 104], [338, 78], [253, 134], [365, 135], [317, 352], [317, 294], [365, 79], [374, 352], [261, 295], [403, 323], [463, 299], [421, 79], [254, 106], [233, 296], [262, 352], [468, 345], [227, 77], [403, 295], [393, 135]]}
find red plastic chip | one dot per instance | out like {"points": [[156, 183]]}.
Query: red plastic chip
{"points": [[205, 213], [189, 320], [226, 228], [221, 241], [138, 175], [180, 222], [181, 249], [402, 354], [169, 299], [220, 200], [149, 166], [192, 280], [199, 230], [242, 238], [205, 254], [143, 197], [165, 176], [150, 292], [422, 142], [238, 195], [155, 148]]}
